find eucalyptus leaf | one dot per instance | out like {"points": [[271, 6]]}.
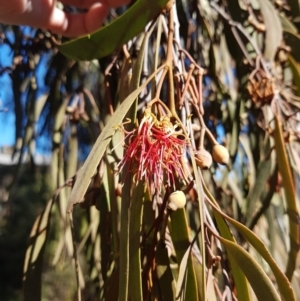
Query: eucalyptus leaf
{"points": [[291, 198], [282, 281], [260, 282], [33, 264], [273, 29], [186, 287], [135, 228], [287, 24], [164, 273], [296, 73], [111, 37]]}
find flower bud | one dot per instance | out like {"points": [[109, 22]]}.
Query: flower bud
{"points": [[220, 154], [177, 200], [203, 158]]}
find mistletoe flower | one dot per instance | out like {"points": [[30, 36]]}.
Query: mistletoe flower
{"points": [[155, 152]]}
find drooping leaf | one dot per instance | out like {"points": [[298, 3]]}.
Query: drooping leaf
{"points": [[210, 286], [181, 241], [200, 193], [260, 282], [291, 198], [73, 152], [273, 29], [263, 172], [294, 157], [245, 141], [104, 254], [33, 264], [135, 272], [110, 38], [238, 275], [282, 281], [125, 235], [164, 273], [287, 25], [233, 108], [296, 73]]}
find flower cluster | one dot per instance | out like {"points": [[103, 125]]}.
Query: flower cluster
{"points": [[155, 152]]}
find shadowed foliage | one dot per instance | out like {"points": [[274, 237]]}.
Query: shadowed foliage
{"points": [[174, 156]]}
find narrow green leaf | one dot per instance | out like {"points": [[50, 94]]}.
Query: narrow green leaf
{"points": [[210, 286], [233, 113], [33, 264], [294, 157], [282, 281], [111, 183], [136, 73], [125, 236], [56, 140], [62, 204], [291, 198], [181, 241], [245, 141], [182, 274], [199, 189], [135, 272], [263, 172], [164, 273], [287, 24], [111, 37], [273, 28], [73, 152], [210, 292], [260, 282], [296, 73], [238, 275], [104, 254], [39, 106], [78, 273], [266, 199]]}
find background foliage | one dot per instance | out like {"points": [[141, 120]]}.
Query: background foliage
{"points": [[212, 73]]}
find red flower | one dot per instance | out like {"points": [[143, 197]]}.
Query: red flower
{"points": [[155, 152]]}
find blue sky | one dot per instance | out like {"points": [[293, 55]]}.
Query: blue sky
{"points": [[7, 114]]}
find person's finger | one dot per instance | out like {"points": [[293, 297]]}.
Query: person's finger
{"points": [[80, 3], [116, 3], [72, 25], [88, 3]]}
